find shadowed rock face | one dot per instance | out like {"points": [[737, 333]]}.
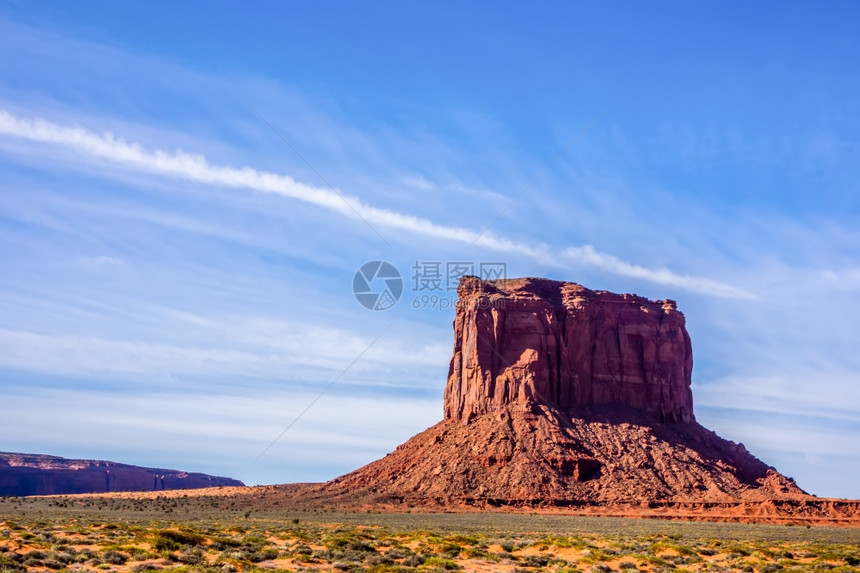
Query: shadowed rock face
{"points": [[565, 346], [35, 474]]}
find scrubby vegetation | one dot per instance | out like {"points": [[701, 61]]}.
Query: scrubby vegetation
{"points": [[111, 535]]}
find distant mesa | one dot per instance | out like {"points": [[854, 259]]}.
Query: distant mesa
{"points": [[37, 474], [560, 396]]}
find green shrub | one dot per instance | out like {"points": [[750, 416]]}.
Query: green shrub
{"points": [[441, 562], [173, 539], [476, 553]]}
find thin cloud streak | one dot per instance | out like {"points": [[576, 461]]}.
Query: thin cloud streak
{"points": [[248, 353], [195, 167], [786, 394]]}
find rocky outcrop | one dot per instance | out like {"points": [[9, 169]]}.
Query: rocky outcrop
{"points": [[559, 396], [563, 345], [35, 474], [535, 455]]}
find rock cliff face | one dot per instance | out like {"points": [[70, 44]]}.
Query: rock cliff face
{"points": [[563, 345], [562, 396], [35, 474]]}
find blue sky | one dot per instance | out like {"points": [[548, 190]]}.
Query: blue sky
{"points": [[176, 281]]}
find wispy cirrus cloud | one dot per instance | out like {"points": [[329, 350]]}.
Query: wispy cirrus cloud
{"points": [[589, 256], [196, 168], [255, 348]]}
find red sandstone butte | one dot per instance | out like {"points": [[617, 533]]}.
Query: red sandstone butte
{"points": [[565, 346], [563, 397]]}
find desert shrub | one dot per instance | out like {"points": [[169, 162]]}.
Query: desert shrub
{"points": [[442, 563], [190, 557], [47, 537], [114, 557], [270, 553], [145, 568], [400, 553], [140, 554], [221, 543], [738, 550], [476, 553], [594, 556], [324, 554], [359, 545], [508, 546], [464, 539], [52, 563], [380, 560], [10, 566], [254, 556], [85, 555], [16, 557], [160, 543], [254, 540], [356, 556], [172, 539], [414, 560], [654, 560], [537, 561], [36, 555], [768, 554], [667, 546], [65, 557]]}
